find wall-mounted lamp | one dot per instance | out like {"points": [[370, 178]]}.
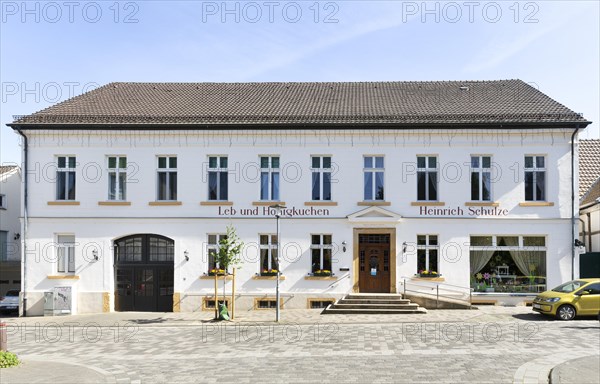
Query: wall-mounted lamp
{"points": [[344, 246], [17, 236], [186, 254], [579, 243], [404, 247], [95, 254]]}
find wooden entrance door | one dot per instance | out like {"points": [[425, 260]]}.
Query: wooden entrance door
{"points": [[374, 263]]}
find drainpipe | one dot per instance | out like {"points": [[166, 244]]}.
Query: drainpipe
{"points": [[573, 218], [24, 227]]}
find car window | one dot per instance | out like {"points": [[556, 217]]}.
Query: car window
{"points": [[593, 289], [12, 293], [569, 286]]}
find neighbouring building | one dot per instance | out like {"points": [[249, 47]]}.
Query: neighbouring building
{"points": [[131, 187], [589, 206], [10, 228]]}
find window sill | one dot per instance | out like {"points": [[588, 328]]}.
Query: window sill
{"points": [[216, 203], [536, 204], [207, 277], [427, 204], [438, 279], [66, 202], [63, 277], [281, 277], [115, 203], [320, 277], [267, 203], [482, 204], [164, 203], [321, 204], [374, 203]]}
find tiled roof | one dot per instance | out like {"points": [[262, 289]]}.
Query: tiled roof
{"points": [[7, 168], [589, 164], [399, 103], [592, 195]]}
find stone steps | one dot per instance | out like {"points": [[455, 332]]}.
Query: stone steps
{"points": [[366, 303]]}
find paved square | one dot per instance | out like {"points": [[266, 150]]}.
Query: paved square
{"points": [[492, 345]]}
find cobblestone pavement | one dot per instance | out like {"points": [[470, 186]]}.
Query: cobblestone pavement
{"points": [[490, 345]]}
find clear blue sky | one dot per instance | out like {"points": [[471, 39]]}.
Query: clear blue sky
{"points": [[47, 52]]}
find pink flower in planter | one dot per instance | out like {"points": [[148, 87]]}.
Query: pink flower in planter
{"points": [[486, 276]]}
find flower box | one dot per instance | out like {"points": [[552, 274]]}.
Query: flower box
{"points": [[270, 272], [427, 274], [322, 273], [218, 272]]}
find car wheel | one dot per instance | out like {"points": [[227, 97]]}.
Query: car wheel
{"points": [[566, 312]]}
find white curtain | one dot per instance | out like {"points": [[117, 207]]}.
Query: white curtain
{"points": [[530, 263], [479, 259]]}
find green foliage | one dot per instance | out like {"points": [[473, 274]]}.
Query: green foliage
{"points": [[230, 249], [8, 359]]}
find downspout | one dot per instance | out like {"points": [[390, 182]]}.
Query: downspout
{"points": [[573, 202], [24, 228]]}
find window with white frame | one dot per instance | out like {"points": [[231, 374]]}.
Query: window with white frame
{"points": [[321, 178], [269, 178], [268, 254], [217, 178], [481, 178], [321, 249], [427, 178], [427, 253], [117, 178], [214, 241], [167, 178], [65, 252], [373, 178], [65, 178], [535, 178], [2, 201]]}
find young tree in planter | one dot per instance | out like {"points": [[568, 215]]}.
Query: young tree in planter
{"points": [[230, 249]]}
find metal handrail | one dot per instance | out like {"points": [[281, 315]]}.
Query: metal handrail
{"points": [[339, 279], [437, 293], [458, 286]]}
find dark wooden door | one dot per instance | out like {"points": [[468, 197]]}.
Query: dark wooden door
{"points": [[374, 263], [144, 273]]}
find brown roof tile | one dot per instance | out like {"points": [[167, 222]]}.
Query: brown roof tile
{"points": [[402, 103]]}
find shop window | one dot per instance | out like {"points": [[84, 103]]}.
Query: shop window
{"points": [[511, 264]]}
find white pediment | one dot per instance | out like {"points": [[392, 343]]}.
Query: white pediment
{"points": [[374, 214]]}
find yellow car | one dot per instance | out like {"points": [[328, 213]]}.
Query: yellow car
{"points": [[574, 298]]}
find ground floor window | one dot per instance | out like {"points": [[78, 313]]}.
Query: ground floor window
{"points": [[500, 263], [321, 249], [268, 255], [214, 242], [427, 254]]}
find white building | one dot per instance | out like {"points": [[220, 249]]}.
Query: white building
{"points": [[131, 186], [10, 228]]}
